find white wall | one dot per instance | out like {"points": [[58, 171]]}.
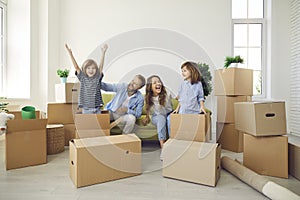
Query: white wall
{"points": [[280, 52]]}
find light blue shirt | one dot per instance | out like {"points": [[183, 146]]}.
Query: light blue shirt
{"points": [[190, 96], [135, 104]]}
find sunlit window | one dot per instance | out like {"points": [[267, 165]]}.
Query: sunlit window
{"points": [[248, 40]]}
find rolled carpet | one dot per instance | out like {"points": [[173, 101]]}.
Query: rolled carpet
{"points": [[258, 182]]}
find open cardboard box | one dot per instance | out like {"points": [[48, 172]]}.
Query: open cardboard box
{"points": [[191, 161], [101, 159], [25, 142]]}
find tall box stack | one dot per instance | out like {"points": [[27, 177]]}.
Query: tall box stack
{"points": [[188, 150], [231, 85], [64, 108], [265, 143]]}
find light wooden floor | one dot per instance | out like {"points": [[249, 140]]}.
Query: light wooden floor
{"points": [[51, 182]]}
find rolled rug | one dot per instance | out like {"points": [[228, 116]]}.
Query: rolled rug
{"points": [[258, 182]]}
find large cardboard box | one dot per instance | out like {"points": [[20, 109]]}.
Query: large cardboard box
{"points": [[225, 107], [62, 113], [192, 127], [67, 92], [70, 133], [92, 125], [196, 162], [230, 138], [266, 155], [294, 156], [233, 82], [25, 142], [260, 118], [102, 159]]}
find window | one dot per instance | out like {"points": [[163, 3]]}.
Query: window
{"points": [[2, 48], [248, 38]]}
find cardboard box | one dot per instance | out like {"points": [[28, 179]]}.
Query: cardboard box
{"points": [[92, 125], [230, 138], [70, 133], [266, 155], [192, 127], [225, 107], [260, 118], [38, 114], [25, 142], [62, 113], [102, 159], [294, 156], [196, 162], [233, 82], [67, 92]]}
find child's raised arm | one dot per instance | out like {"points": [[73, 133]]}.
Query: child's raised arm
{"points": [[103, 49], [73, 59]]}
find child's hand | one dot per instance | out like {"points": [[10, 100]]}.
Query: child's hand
{"points": [[104, 48], [175, 111], [145, 121], [202, 110]]}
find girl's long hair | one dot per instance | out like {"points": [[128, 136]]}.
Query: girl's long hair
{"points": [[195, 73], [149, 93]]}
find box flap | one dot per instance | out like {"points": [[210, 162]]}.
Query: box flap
{"points": [[92, 121], [104, 140], [205, 149], [17, 125]]}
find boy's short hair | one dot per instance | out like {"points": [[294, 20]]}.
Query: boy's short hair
{"points": [[142, 79], [88, 63]]}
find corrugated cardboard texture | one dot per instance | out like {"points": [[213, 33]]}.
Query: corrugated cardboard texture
{"points": [[61, 113], [18, 114], [294, 156], [266, 155], [67, 92], [225, 107], [25, 143], [91, 159], [234, 82], [260, 118], [92, 125], [230, 138], [70, 133], [191, 127], [192, 161]]}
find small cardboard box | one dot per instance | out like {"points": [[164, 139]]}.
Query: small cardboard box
{"points": [[92, 125], [25, 143], [233, 82], [225, 107], [266, 155], [67, 92], [230, 138], [196, 162], [260, 118], [62, 113], [101, 159], [192, 127], [294, 156], [18, 114], [70, 133]]}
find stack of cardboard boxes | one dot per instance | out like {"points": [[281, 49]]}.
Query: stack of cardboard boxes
{"points": [[265, 142], [64, 109], [231, 85], [187, 155]]}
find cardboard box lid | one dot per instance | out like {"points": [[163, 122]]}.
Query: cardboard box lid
{"points": [[175, 148], [92, 121], [262, 102], [104, 140], [17, 125]]}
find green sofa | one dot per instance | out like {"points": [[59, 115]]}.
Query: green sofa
{"points": [[147, 132]]}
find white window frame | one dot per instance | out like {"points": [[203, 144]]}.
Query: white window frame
{"points": [[261, 21], [3, 66]]}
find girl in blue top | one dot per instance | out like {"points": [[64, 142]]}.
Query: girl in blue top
{"points": [[190, 93], [90, 77]]}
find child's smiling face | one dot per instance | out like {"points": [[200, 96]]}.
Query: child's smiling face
{"points": [[91, 70], [185, 73]]}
